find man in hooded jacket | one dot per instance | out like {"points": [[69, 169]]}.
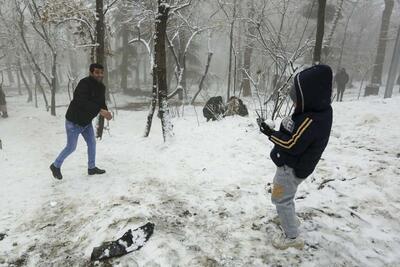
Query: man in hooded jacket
{"points": [[298, 146], [88, 101]]}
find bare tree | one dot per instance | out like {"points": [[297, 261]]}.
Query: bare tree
{"points": [[232, 18], [320, 32], [159, 70], [381, 49], [250, 33]]}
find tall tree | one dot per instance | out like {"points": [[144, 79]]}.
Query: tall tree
{"points": [[248, 51], [381, 50], [320, 31], [394, 66], [161, 66]]}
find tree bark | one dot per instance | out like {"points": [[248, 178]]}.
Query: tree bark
{"points": [[381, 50], [345, 36], [160, 65], [394, 66], [100, 32], [19, 82], [228, 89], [21, 72], [210, 54], [53, 84], [39, 84], [137, 69], [153, 105], [182, 60], [9, 72], [100, 56], [248, 53], [320, 31], [124, 62], [333, 28]]}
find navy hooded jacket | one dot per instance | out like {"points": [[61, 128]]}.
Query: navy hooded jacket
{"points": [[301, 139]]}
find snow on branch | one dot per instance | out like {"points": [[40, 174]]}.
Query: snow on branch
{"points": [[147, 45], [179, 7]]}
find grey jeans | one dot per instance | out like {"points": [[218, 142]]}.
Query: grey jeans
{"points": [[283, 193]]}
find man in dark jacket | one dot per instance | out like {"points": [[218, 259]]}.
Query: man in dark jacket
{"points": [[341, 79], [298, 146], [88, 101], [3, 104]]}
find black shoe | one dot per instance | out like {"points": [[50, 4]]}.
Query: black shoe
{"points": [[56, 172], [95, 170], [5, 115]]}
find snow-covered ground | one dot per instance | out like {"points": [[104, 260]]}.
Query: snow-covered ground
{"points": [[205, 191]]}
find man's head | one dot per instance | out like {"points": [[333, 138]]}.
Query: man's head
{"points": [[96, 70]]}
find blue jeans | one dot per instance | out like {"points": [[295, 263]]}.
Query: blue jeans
{"points": [[73, 131], [283, 193]]}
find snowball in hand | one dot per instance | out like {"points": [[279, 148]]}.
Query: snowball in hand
{"points": [[270, 123]]}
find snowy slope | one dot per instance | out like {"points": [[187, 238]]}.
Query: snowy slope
{"points": [[205, 191]]}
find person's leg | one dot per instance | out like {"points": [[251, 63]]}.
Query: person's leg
{"points": [[3, 109], [337, 94], [283, 193], [341, 94], [88, 135], [73, 131]]}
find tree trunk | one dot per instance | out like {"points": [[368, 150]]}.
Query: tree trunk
{"points": [[345, 36], [210, 54], [381, 50], [320, 32], [19, 82], [21, 72], [152, 105], [137, 70], [100, 57], [182, 61], [36, 98], [53, 84], [28, 72], [39, 84], [124, 62], [145, 67], [73, 68], [100, 32], [394, 66], [100, 37], [9, 72], [228, 89], [248, 53], [160, 63], [333, 28]]}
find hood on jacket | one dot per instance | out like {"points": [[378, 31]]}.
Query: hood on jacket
{"points": [[313, 89]]}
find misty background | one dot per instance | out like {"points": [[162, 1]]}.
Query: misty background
{"points": [[250, 41]]}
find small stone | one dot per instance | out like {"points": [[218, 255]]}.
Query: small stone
{"points": [[2, 236]]}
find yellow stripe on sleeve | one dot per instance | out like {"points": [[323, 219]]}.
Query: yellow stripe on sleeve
{"points": [[292, 141]]}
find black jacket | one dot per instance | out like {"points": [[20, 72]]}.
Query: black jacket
{"points": [[301, 139], [342, 78], [89, 98]]}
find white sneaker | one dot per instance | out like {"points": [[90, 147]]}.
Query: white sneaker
{"points": [[281, 242]]}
